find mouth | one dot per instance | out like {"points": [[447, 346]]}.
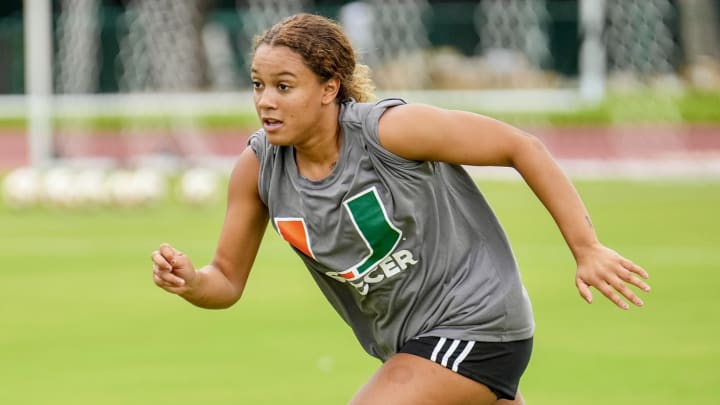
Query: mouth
{"points": [[271, 124]]}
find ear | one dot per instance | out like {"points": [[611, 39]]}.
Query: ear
{"points": [[330, 90]]}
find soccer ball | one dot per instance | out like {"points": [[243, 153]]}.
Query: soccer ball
{"points": [[199, 186], [150, 185], [58, 187], [22, 187], [121, 188], [91, 187]]}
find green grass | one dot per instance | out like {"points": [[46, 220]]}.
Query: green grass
{"points": [[82, 323]]}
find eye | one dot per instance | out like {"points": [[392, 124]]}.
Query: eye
{"points": [[256, 84], [283, 87]]}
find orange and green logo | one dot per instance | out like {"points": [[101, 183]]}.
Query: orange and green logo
{"points": [[371, 222]]}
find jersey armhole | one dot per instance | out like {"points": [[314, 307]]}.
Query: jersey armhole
{"points": [[258, 143]]}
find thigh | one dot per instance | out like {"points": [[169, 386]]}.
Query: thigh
{"points": [[406, 379]]}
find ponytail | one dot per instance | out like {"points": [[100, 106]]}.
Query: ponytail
{"points": [[360, 86]]}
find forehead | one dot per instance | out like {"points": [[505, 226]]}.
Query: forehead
{"points": [[277, 60]]}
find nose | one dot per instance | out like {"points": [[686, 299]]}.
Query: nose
{"points": [[265, 99]]}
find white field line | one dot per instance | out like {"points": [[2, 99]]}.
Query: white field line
{"points": [[622, 169]]}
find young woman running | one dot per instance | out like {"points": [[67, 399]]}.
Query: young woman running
{"points": [[395, 233]]}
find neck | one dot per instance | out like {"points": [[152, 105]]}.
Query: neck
{"points": [[318, 155]]}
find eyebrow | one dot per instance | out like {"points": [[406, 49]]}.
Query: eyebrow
{"points": [[283, 73]]}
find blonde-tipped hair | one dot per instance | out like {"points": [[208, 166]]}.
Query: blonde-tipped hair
{"points": [[360, 86]]}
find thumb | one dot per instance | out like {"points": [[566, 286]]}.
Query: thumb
{"points": [[168, 252], [177, 259], [182, 266]]}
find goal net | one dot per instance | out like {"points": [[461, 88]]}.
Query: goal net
{"points": [[150, 72]]}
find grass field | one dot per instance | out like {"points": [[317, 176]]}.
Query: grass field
{"points": [[82, 323]]}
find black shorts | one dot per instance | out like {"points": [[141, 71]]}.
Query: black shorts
{"points": [[497, 365]]}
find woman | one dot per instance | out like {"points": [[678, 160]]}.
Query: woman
{"points": [[368, 195]]}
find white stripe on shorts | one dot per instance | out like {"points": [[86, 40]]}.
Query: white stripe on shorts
{"points": [[438, 346], [462, 355], [450, 352]]}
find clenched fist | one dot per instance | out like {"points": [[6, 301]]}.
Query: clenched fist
{"points": [[172, 270]]}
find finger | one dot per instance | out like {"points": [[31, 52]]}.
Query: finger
{"points": [[628, 277], [170, 249], [168, 252], [609, 292], [158, 280], [165, 286], [171, 253], [159, 261], [623, 289], [639, 284], [169, 279], [635, 268], [584, 290]]}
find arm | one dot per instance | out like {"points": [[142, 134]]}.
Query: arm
{"points": [[421, 132], [221, 283]]}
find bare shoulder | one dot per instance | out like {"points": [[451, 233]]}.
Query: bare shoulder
{"points": [[424, 132], [409, 130], [402, 118]]}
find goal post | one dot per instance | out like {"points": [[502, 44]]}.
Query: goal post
{"points": [[38, 79]]}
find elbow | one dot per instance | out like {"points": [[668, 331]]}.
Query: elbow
{"points": [[529, 148], [237, 294], [218, 288], [230, 298], [235, 291], [217, 303], [534, 143], [223, 305]]}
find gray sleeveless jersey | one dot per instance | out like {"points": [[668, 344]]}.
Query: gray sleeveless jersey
{"points": [[400, 248]]}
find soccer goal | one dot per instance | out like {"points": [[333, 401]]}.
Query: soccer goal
{"points": [[149, 73]]}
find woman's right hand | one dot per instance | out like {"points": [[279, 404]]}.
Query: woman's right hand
{"points": [[172, 270]]}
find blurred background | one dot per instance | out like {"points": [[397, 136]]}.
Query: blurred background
{"points": [[120, 121], [166, 82]]}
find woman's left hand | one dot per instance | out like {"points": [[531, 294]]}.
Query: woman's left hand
{"points": [[611, 274]]}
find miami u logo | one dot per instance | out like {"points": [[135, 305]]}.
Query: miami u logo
{"points": [[371, 222]]}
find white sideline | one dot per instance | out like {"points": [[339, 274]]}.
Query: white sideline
{"points": [[696, 169]]}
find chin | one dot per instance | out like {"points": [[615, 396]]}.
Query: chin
{"points": [[279, 140]]}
